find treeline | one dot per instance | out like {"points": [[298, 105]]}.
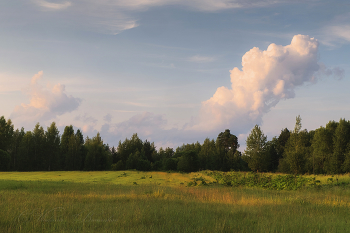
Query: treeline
{"points": [[325, 150], [41, 150], [321, 151]]}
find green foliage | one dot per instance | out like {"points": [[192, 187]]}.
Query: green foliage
{"points": [[170, 164], [15, 149], [321, 150], [226, 146], [227, 141], [97, 157], [119, 166], [341, 139], [325, 150], [297, 150], [198, 181], [256, 154], [38, 140], [261, 180], [188, 161], [53, 143], [208, 158], [5, 159], [6, 133]]}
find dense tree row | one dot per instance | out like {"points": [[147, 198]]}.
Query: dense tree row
{"points": [[41, 150], [221, 154], [324, 150]]}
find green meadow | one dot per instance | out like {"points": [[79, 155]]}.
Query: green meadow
{"points": [[132, 201]]}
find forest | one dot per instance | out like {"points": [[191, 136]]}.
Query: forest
{"points": [[325, 150]]}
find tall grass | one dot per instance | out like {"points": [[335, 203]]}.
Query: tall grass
{"points": [[47, 205]]}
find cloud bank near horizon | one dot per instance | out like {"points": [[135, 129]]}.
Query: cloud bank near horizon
{"points": [[46, 103]]}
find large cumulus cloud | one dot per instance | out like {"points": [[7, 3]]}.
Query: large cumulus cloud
{"points": [[266, 77]]}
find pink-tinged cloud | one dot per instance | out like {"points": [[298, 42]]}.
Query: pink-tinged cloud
{"points": [[53, 6], [266, 78], [45, 102]]}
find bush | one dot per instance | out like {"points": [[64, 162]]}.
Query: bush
{"points": [[119, 166]]}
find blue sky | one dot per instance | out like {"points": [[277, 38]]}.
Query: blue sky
{"points": [[165, 68]]}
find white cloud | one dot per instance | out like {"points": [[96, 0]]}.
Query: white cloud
{"points": [[201, 59], [53, 6], [340, 31], [266, 78], [337, 31], [45, 103], [200, 5]]}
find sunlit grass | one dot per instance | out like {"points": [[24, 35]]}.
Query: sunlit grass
{"points": [[114, 177], [73, 202]]}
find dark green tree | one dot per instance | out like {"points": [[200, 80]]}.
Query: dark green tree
{"points": [[129, 146], [341, 139], [188, 161], [273, 154], [15, 148], [52, 153], [208, 159], [226, 142], [5, 160], [65, 157], [321, 151], [98, 156], [26, 151], [39, 143], [6, 133]]}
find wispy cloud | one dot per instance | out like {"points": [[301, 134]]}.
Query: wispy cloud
{"points": [[115, 16], [340, 31], [337, 31], [53, 6], [201, 59]]}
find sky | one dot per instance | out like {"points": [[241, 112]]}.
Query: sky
{"points": [[174, 71]]}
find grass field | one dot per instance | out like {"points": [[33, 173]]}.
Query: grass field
{"points": [[131, 201]]}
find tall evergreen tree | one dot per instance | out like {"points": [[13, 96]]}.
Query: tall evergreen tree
{"points": [[53, 142], [15, 148], [97, 157], [39, 148], [6, 133], [66, 140], [26, 151]]}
